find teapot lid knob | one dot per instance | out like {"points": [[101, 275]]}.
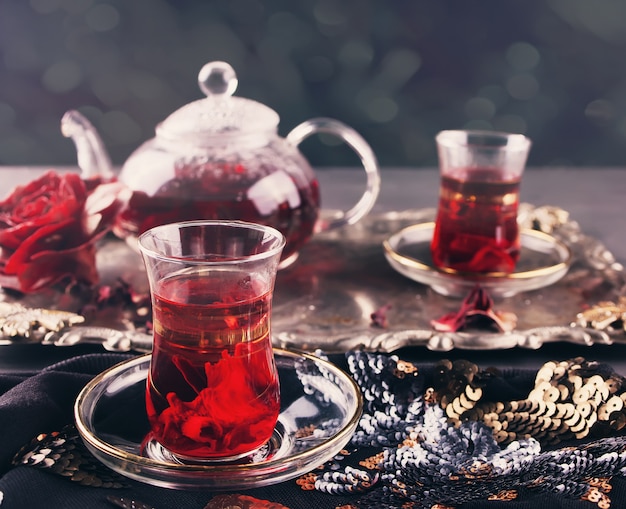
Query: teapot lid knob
{"points": [[217, 79]]}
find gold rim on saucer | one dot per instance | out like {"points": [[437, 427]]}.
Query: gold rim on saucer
{"points": [[544, 260], [315, 395]]}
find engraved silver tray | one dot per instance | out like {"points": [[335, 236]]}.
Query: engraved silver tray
{"points": [[326, 298]]}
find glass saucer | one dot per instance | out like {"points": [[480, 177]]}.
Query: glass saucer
{"points": [[320, 409], [543, 261]]}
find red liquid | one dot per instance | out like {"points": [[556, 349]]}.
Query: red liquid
{"points": [[476, 227], [214, 191], [213, 389]]}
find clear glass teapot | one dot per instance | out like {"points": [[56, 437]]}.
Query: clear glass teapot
{"points": [[221, 158]]}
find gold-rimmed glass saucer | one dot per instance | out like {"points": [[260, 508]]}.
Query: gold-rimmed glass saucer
{"points": [[320, 409], [543, 261]]}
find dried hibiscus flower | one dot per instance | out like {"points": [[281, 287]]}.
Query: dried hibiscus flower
{"points": [[379, 317], [115, 300], [476, 312]]}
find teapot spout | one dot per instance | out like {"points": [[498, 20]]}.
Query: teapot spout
{"points": [[93, 159]]}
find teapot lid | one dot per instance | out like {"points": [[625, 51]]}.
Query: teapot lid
{"points": [[219, 113]]}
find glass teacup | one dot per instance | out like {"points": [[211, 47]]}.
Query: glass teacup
{"points": [[213, 389], [476, 228]]}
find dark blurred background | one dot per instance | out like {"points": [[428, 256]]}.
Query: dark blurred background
{"points": [[398, 71]]}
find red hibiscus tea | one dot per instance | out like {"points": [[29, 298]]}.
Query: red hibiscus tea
{"points": [[213, 390], [215, 191], [213, 387], [476, 227]]}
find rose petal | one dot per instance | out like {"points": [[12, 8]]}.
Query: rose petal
{"points": [[39, 241], [102, 207], [379, 317], [52, 254], [51, 267], [476, 310]]}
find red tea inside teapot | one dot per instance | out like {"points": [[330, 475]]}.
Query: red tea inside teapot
{"points": [[213, 190]]}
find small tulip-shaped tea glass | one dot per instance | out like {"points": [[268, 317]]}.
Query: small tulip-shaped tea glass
{"points": [[212, 389], [476, 228]]}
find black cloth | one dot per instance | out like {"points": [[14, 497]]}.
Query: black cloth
{"points": [[43, 403]]}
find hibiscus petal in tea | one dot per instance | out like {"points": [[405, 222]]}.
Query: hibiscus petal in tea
{"points": [[476, 227], [213, 389]]}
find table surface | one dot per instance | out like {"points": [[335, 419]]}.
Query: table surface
{"points": [[593, 196]]}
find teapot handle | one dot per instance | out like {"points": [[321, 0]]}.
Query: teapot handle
{"points": [[356, 142]]}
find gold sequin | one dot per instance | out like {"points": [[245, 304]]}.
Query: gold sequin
{"points": [[63, 453], [605, 315], [504, 495], [569, 398], [407, 368], [429, 396], [307, 481], [373, 462], [595, 496]]}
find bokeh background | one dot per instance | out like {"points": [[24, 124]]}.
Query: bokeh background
{"points": [[398, 71]]}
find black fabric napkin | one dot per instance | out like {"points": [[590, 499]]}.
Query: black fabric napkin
{"points": [[43, 403]]}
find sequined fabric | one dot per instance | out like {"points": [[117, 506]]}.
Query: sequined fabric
{"points": [[421, 442], [64, 453], [445, 439]]}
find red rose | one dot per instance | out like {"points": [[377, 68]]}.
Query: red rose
{"points": [[48, 230]]}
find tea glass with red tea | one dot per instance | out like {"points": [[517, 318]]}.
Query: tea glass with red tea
{"points": [[476, 229], [212, 390]]}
